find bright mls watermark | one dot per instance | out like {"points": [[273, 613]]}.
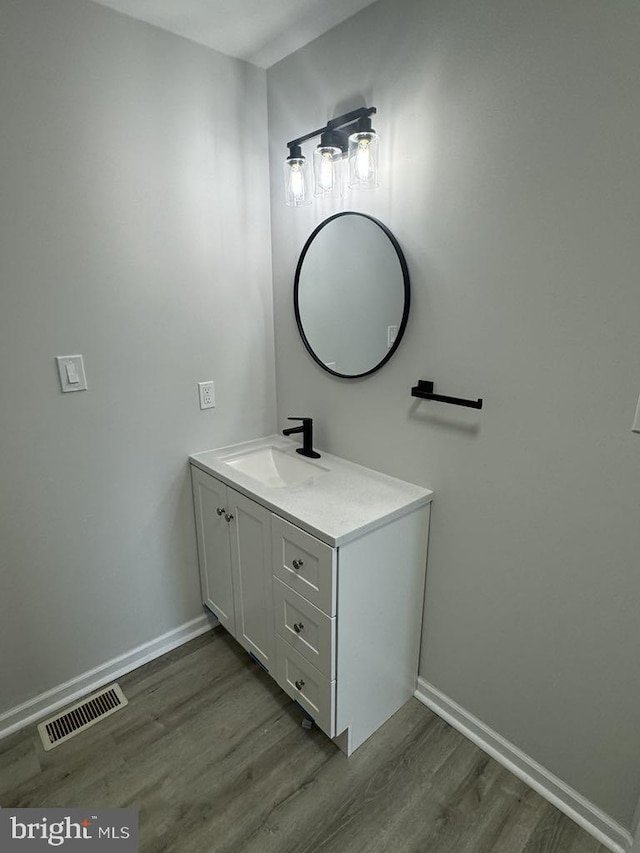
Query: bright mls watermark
{"points": [[105, 830]]}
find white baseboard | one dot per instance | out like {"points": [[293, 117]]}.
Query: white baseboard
{"points": [[49, 702], [598, 824]]}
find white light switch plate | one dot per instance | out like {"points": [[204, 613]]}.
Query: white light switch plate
{"points": [[636, 420], [71, 372]]}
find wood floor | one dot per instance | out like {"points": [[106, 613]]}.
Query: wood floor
{"points": [[213, 755]]}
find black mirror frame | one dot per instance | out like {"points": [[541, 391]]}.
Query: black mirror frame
{"points": [[407, 294]]}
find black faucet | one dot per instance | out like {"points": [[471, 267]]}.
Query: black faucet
{"points": [[306, 429]]}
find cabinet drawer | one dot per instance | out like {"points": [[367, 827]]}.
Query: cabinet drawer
{"points": [[309, 687], [307, 629], [305, 564]]}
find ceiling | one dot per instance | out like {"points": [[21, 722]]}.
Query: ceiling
{"points": [[260, 31]]}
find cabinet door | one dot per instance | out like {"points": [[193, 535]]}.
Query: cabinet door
{"points": [[214, 553], [250, 531]]}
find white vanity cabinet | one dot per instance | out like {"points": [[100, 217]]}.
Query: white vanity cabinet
{"points": [[234, 552], [323, 582]]}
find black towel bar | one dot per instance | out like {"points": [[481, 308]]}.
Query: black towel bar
{"points": [[424, 390]]}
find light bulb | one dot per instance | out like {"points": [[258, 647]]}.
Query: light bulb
{"points": [[296, 182], [327, 172], [325, 177], [363, 159]]}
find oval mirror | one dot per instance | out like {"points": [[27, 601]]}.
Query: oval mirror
{"points": [[351, 294]]}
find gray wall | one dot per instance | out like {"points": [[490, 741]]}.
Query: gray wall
{"points": [[510, 176], [129, 233]]}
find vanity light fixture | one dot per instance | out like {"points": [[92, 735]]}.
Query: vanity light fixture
{"points": [[347, 137]]}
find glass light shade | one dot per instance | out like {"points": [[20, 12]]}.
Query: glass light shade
{"points": [[363, 160], [327, 171], [296, 181]]}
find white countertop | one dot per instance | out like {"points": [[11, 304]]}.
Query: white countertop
{"points": [[341, 503]]}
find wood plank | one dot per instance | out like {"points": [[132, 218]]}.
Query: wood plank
{"points": [[212, 753]]}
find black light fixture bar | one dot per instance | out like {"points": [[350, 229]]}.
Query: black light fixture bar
{"points": [[336, 124], [347, 137]]}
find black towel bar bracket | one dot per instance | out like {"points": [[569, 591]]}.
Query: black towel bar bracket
{"points": [[424, 390]]}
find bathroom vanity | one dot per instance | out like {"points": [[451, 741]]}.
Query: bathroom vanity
{"points": [[317, 568]]}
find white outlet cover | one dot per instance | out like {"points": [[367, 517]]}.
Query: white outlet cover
{"points": [[71, 373], [206, 393]]}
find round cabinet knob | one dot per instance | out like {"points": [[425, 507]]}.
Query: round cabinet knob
{"points": [[297, 627], [229, 517], [220, 510], [299, 684], [298, 564]]}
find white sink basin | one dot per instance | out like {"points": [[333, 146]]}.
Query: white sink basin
{"points": [[274, 467]]}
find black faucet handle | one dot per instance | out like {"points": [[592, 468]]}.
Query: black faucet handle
{"points": [[307, 436]]}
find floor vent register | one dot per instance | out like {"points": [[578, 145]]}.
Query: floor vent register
{"points": [[81, 716]]}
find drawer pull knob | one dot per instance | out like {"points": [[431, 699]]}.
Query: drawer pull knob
{"points": [[298, 564], [299, 684], [229, 517], [221, 510], [297, 627]]}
